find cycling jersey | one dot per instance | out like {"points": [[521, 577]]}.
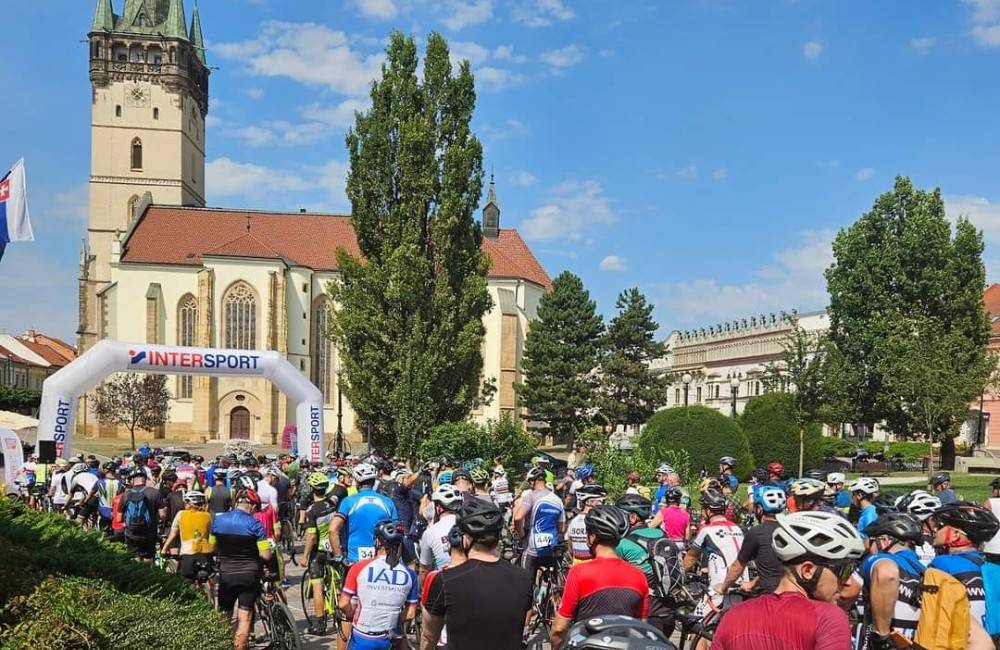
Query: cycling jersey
{"points": [[631, 549], [84, 482], [268, 518], [603, 587], [576, 538], [729, 481], [758, 548], [907, 610], [193, 527], [435, 551], [382, 591], [267, 494], [676, 521], [786, 621], [362, 511], [58, 488], [545, 517], [107, 489], [501, 491], [868, 514], [720, 541], [967, 569], [238, 538], [926, 551], [220, 499], [319, 516], [947, 496]]}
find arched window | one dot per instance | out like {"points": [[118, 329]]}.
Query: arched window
{"points": [[136, 153], [156, 113], [130, 215], [118, 110], [187, 324], [322, 350], [239, 311]]}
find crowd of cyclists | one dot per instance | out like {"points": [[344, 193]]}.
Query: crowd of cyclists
{"points": [[461, 555]]}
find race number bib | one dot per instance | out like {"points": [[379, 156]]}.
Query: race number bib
{"points": [[366, 552], [543, 540]]}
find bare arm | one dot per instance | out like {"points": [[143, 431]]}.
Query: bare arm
{"points": [[657, 520], [346, 606], [691, 557], [732, 575], [335, 527], [560, 626], [430, 631], [885, 589]]}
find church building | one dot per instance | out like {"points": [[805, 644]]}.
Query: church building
{"points": [[160, 267]]}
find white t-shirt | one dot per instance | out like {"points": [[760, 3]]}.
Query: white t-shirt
{"points": [[267, 495], [435, 551], [59, 493], [993, 545]]}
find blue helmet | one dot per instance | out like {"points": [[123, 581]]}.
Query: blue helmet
{"points": [[444, 478], [770, 498], [584, 471]]}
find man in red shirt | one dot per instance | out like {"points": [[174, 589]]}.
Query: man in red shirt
{"points": [[818, 551], [607, 584]]}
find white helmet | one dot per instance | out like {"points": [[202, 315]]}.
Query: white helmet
{"points": [[399, 473], [79, 467], [364, 472], [835, 477], [865, 484], [919, 503], [447, 497], [816, 534], [664, 468], [194, 497]]}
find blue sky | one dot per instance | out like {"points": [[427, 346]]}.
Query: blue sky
{"points": [[704, 150]]}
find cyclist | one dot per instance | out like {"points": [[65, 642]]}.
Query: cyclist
{"points": [[726, 478], [82, 488], [892, 573], [588, 496], [377, 590], [220, 499], [192, 527], [960, 528], [758, 547], [719, 541], [818, 551], [500, 488], [358, 514], [635, 485], [341, 485], [462, 480], [808, 494], [835, 485], [674, 520], [240, 544], [863, 492], [457, 557], [663, 472], [584, 476], [434, 552], [941, 484], [480, 483], [318, 543], [921, 505], [267, 489], [141, 508], [107, 488], [406, 498], [541, 518], [543, 463], [636, 548], [607, 584], [484, 600], [57, 486], [991, 548]]}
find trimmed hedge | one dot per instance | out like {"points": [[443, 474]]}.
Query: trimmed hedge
{"points": [[912, 451], [773, 434], [703, 433]]}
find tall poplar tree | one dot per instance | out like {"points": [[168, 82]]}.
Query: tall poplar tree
{"points": [[560, 355], [408, 322], [630, 393]]}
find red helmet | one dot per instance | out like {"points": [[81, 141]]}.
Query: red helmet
{"points": [[776, 468], [634, 476], [249, 495]]}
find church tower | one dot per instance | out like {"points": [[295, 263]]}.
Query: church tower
{"points": [[149, 82], [491, 212]]}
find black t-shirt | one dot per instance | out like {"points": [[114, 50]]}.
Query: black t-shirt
{"points": [[483, 604], [174, 503], [758, 546], [221, 500], [153, 503], [283, 486], [338, 491]]}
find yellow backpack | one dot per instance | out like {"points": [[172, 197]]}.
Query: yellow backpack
{"points": [[944, 613]]}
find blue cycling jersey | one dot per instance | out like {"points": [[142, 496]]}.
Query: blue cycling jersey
{"points": [[362, 511], [868, 515], [967, 568]]}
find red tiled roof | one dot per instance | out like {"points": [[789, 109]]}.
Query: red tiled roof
{"points": [[181, 235], [991, 298], [45, 352]]}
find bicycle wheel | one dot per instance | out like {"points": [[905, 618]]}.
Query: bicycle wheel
{"points": [[281, 628], [305, 595]]}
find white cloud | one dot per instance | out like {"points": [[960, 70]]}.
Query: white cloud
{"points": [[311, 54], [509, 129], [983, 214], [474, 52], [812, 50], [226, 177], [720, 174], [563, 57], [864, 174], [794, 280], [493, 78], [688, 173], [320, 122], [541, 13], [987, 35], [340, 116], [506, 53], [463, 14], [522, 179], [986, 22], [572, 209], [923, 44], [377, 9], [253, 93], [613, 263]]}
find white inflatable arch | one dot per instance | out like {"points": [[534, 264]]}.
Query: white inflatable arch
{"points": [[61, 390]]}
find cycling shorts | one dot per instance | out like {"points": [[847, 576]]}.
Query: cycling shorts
{"points": [[188, 567], [241, 588], [317, 564], [534, 564], [361, 641]]}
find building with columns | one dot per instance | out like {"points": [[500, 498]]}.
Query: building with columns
{"points": [[160, 267]]}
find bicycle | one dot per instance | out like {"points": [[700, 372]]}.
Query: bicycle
{"points": [[333, 579], [272, 613], [204, 578], [548, 593]]}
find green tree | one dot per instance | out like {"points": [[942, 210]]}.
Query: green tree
{"points": [[773, 429], [410, 307], [630, 393], [703, 433], [900, 273], [560, 354], [133, 401]]}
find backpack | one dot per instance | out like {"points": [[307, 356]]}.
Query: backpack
{"points": [[138, 518], [944, 613], [991, 585], [665, 562]]}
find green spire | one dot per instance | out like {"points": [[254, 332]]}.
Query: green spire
{"points": [[197, 40], [175, 26], [104, 17]]}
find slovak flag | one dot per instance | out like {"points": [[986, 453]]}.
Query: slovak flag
{"points": [[15, 224]]}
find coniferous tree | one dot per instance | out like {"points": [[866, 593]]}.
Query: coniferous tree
{"points": [[630, 393], [560, 354], [409, 312]]}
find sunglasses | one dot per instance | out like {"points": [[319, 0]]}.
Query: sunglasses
{"points": [[842, 570]]}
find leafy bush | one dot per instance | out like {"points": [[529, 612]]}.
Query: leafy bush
{"points": [[508, 440], [773, 434], [19, 400], [612, 467], [703, 433], [467, 440], [836, 446]]}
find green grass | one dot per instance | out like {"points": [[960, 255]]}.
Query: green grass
{"points": [[971, 487]]}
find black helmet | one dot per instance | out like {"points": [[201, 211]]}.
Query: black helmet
{"points": [[384, 466], [461, 474], [971, 518], [169, 475], [886, 502], [109, 467], [673, 495], [940, 478], [389, 533], [616, 633], [817, 474], [607, 522], [760, 474], [898, 526], [478, 518], [535, 474], [635, 504], [713, 501], [455, 537]]}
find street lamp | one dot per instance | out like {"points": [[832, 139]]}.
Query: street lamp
{"points": [[338, 444], [686, 378], [734, 387]]}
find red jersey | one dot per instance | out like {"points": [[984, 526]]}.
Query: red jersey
{"points": [[267, 518], [602, 587], [786, 621], [118, 514]]}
